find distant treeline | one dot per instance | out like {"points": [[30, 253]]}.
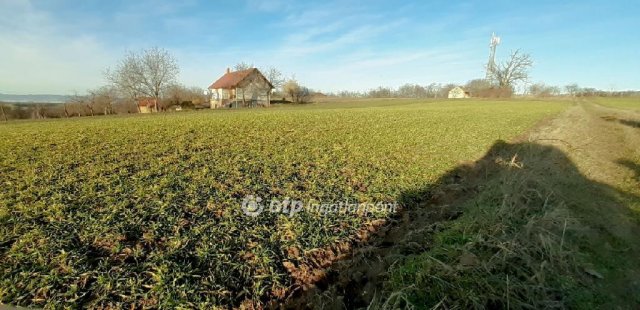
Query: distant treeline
{"points": [[9, 111], [106, 101], [480, 89], [101, 102]]}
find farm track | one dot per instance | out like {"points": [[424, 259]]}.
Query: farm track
{"points": [[592, 135]]}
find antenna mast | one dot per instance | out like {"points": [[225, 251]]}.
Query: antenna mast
{"points": [[492, 54]]}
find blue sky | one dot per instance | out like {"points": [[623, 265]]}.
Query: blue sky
{"points": [[62, 47]]}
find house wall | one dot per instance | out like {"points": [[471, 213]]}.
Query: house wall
{"points": [[256, 90], [221, 97], [146, 105], [252, 91], [457, 93]]}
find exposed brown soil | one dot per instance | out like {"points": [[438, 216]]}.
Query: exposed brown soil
{"points": [[354, 278]]}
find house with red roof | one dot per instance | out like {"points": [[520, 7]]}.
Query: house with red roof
{"points": [[246, 88], [147, 105]]}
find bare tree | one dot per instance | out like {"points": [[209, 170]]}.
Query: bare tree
{"points": [[542, 90], [572, 89], [4, 115], [78, 103], [66, 109], [174, 94], [291, 88], [90, 102], [124, 77], [477, 86], [411, 91], [102, 98], [380, 92], [513, 70], [146, 73], [242, 66], [274, 76], [185, 97], [433, 90], [298, 94], [39, 112]]}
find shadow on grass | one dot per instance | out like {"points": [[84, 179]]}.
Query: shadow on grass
{"points": [[631, 166], [626, 122], [521, 227], [632, 123]]}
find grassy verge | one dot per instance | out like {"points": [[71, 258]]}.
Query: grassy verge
{"points": [[631, 103], [539, 233], [507, 250]]}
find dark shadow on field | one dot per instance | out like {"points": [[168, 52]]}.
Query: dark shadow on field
{"points": [[522, 172], [631, 166], [632, 123], [626, 122], [357, 282]]}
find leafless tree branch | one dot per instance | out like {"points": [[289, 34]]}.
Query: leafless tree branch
{"points": [[146, 73], [513, 70]]}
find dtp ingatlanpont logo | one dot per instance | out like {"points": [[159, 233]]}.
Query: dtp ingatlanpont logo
{"points": [[253, 206]]}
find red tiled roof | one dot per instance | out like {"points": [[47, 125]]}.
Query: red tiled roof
{"points": [[146, 102], [232, 79]]}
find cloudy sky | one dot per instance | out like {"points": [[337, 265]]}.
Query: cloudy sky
{"points": [[62, 47]]}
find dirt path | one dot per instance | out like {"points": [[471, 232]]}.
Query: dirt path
{"points": [[596, 137], [604, 146]]}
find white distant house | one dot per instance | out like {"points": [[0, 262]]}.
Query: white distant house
{"points": [[458, 93]]}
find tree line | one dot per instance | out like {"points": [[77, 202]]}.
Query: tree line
{"points": [[478, 88], [152, 73], [501, 81], [104, 100], [149, 74]]}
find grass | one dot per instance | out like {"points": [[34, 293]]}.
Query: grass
{"points": [[630, 103], [554, 224], [508, 250], [144, 211]]}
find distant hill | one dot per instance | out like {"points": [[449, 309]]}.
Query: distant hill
{"points": [[42, 98]]}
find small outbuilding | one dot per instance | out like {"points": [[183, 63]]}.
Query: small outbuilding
{"points": [[246, 88], [458, 93], [147, 105]]}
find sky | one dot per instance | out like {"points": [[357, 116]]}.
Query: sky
{"points": [[64, 47]]}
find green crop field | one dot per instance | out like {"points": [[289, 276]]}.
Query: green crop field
{"points": [[630, 103], [145, 210]]}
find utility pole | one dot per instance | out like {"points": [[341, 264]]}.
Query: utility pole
{"points": [[492, 54]]}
